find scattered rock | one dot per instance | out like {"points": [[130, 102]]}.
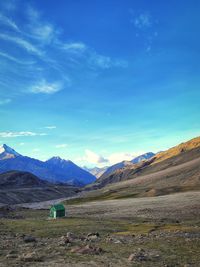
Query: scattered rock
{"points": [[29, 239], [11, 255], [131, 257], [93, 235], [31, 256], [71, 235], [87, 250], [113, 240], [64, 240], [138, 256], [117, 241]]}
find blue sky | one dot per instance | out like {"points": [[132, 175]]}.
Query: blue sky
{"points": [[98, 81]]}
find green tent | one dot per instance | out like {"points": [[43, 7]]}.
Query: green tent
{"points": [[57, 211]]}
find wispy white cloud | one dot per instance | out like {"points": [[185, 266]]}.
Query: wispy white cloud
{"points": [[18, 134], [142, 21], [52, 54], [91, 57], [41, 30], [5, 101], [44, 33], [46, 88], [8, 22], [105, 62], [121, 156], [144, 24], [50, 127], [61, 145], [22, 43], [75, 47], [16, 60]]}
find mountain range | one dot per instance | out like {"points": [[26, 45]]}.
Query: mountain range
{"points": [[168, 171], [54, 170], [126, 163], [23, 179], [98, 172]]}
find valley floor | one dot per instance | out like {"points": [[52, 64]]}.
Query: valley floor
{"points": [[154, 231]]}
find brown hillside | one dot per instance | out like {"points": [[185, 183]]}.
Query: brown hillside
{"points": [[174, 151], [175, 156]]}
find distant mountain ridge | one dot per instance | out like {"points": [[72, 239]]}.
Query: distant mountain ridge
{"points": [[126, 163], [54, 170], [142, 157], [96, 171], [162, 160], [99, 172]]}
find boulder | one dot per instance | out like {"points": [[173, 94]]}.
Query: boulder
{"points": [[29, 239], [138, 256], [92, 236]]}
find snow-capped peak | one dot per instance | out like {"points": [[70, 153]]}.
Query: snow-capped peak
{"points": [[7, 152], [57, 159]]}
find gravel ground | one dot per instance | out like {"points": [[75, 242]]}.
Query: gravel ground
{"points": [[175, 206]]}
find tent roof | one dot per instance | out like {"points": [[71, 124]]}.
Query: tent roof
{"points": [[58, 207]]}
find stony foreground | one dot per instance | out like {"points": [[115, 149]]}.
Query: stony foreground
{"points": [[161, 231]]}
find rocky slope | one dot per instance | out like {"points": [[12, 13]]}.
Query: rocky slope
{"points": [[181, 154]]}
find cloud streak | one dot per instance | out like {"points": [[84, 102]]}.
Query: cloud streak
{"points": [[8, 22], [57, 62], [61, 145], [76, 47], [19, 134], [50, 127], [91, 57], [40, 30], [22, 43], [9, 57], [46, 88]]}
